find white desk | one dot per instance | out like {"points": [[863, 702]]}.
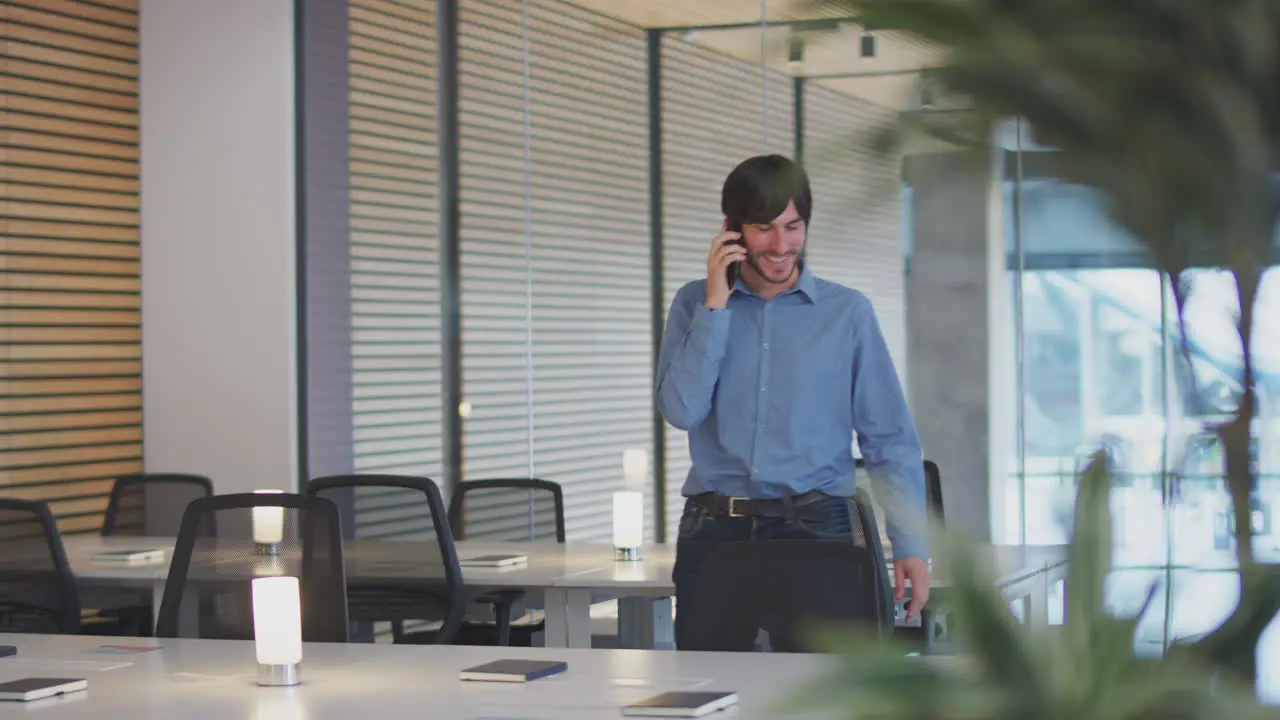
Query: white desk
{"points": [[645, 610], [568, 576], [206, 679]]}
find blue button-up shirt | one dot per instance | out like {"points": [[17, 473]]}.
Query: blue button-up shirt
{"points": [[772, 392]]}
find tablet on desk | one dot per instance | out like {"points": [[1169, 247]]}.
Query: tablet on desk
{"points": [[28, 689], [682, 704], [513, 670]]}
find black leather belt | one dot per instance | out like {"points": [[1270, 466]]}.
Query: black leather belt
{"points": [[718, 505]]}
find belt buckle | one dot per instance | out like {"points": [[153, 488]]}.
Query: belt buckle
{"points": [[733, 504]]}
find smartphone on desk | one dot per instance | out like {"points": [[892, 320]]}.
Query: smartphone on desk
{"points": [[732, 270]]}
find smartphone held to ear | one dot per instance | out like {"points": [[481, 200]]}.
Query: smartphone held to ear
{"points": [[731, 271]]}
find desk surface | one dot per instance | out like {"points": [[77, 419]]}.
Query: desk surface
{"points": [[198, 679], [569, 565]]}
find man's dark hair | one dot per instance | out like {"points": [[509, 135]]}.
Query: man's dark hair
{"points": [[759, 189]]}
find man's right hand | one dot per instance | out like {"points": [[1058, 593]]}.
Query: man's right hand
{"points": [[723, 252]]}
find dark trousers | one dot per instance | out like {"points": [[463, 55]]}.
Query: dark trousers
{"points": [[700, 533]]}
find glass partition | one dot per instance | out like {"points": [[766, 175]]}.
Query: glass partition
{"points": [[1106, 364]]}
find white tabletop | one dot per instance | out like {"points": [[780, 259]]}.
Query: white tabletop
{"points": [[547, 562], [550, 564], [197, 679], [592, 566], [567, 575]]}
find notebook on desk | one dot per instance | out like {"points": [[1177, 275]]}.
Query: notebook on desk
{"points": [[495, 561], [28, 689], [682, 704], [130, 557], [513, 670]]}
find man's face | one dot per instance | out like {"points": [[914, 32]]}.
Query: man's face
{"points": [[773, 249]]}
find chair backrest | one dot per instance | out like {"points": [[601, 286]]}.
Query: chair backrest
{"points": [[933, 484], [782, 586], [399, 519], [507, 510], [37, 590], [208, 593], [865, 516], [151, 504]]}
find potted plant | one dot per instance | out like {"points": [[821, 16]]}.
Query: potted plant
{"points": [[1170, 110], [1086, 669]]}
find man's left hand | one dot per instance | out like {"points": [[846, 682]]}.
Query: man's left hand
{"points": [[917, 571]]}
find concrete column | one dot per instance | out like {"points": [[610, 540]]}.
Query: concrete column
{"points": [[959, 331], [219, 253]]}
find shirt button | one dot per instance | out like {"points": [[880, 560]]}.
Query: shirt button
{"points": [[763, 388], [766, 346]]}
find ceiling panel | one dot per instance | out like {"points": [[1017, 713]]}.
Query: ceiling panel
{"points": [[887, 78], [686, 13], [894, 91]]}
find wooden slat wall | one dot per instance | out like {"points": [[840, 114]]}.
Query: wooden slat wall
{"points": [[394, 268], [591, 392], [70, 367], [712, 120]]}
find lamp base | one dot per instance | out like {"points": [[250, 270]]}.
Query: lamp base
{"points": [[278, 675], [626, 554], [268, 548]]}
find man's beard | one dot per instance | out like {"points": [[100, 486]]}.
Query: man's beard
{"points": [[754, 260]]}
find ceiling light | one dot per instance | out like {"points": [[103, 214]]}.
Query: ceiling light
{"points": [[795, 52]]}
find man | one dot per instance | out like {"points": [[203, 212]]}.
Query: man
{"points": [[772, 377]]}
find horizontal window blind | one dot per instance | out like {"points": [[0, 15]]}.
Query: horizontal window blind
{"points": [[587, 270], [394, 264], [593, 396], [712, 119], [494, 252], [70, 367], [856, 234]]}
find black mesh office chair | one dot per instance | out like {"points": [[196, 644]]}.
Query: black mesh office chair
{"points": [[930, 627], [399, 522], [208, 593], [37, 590], [780, 585], [151, 504], [146, 505], [866, 533], [505, 510], [927, 633], [508, 510], [933, 486]]}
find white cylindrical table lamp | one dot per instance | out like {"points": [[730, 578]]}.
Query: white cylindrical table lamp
{"points": [[628, 525], [268, 526], [277, 629], [628, 505]]}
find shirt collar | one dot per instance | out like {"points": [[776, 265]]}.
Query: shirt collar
{"points": [[806, 283]]}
